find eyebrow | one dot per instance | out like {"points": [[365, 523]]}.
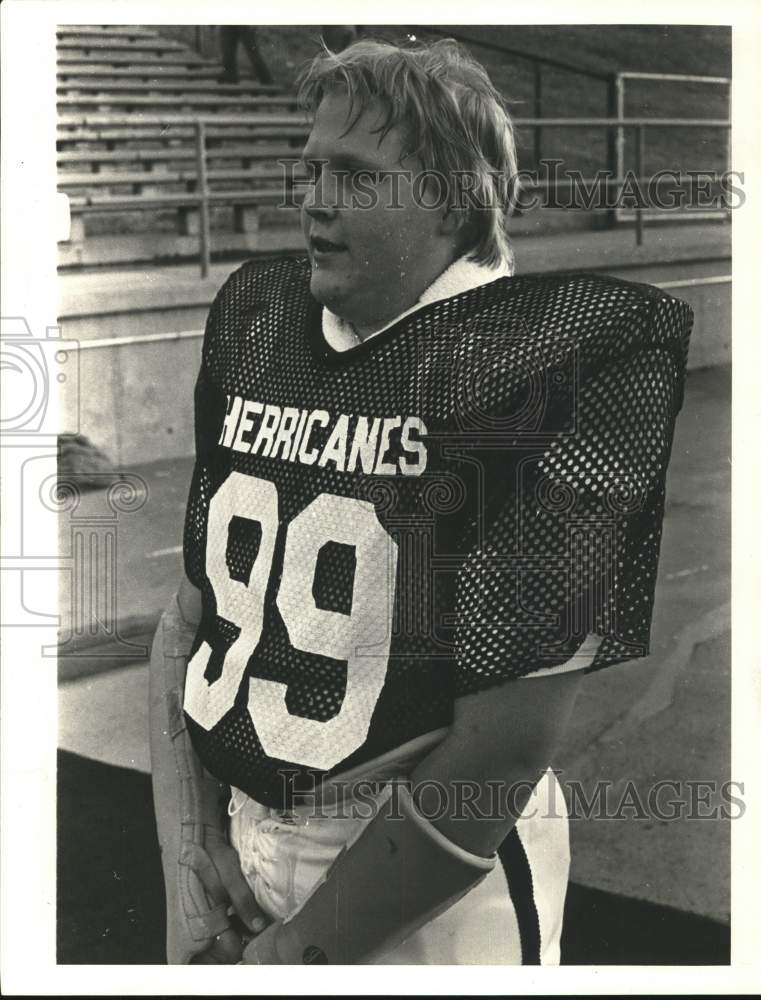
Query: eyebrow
{"points": [[348, 159]]}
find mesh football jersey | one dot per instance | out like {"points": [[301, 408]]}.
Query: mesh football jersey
{"points": [[459, 501]]}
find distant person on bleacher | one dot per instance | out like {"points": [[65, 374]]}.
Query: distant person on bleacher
{"points": [[230, 37]]}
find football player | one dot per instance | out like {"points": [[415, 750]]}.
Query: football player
{"points": [[428, 496]]}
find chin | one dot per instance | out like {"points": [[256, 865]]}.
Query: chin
{"points": [[325, 290]]}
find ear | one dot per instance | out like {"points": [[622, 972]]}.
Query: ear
{"points": [[453, 221], [458, 228]]}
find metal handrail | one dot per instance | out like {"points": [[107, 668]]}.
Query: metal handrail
{"points": [[621, 122], [72, 120], [674, 77], [619, 106], [191, 118], [614, 83]]}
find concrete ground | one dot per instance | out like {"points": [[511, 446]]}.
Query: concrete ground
{"points": [[665, 718]]}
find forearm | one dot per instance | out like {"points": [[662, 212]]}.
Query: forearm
{"points": [[189, 804], [473, 809], [189, 602], [475, 783], [387, 883], [406, 868], [172, 644]]}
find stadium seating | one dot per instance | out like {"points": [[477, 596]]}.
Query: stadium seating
{"points": [[128, 100]]}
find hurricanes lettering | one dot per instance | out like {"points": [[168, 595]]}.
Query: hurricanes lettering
{"points": [[349, 443]]}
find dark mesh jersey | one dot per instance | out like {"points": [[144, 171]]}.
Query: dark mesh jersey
{"points": [[457, 502]]}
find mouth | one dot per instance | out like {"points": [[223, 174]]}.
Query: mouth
{"points": [[322, 248]]}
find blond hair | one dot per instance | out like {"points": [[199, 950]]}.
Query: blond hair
{"points": [[451, 118]]}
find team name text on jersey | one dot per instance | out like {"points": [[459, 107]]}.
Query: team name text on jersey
{"points": [[377, 445]]}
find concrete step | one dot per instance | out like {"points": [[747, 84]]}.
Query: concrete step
{"points": [[101, 43], [207, 101], [113, 84], [135, 71], [104, 31], [244, 152], [170, 248]]}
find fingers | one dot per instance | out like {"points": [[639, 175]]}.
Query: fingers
{"points": [[218, 868], [227, 866], [225, 949]]}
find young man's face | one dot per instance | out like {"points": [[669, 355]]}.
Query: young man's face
{"points": [[368, 263]]}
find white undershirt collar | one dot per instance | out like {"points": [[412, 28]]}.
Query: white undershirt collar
{"points": [[462, 275]]}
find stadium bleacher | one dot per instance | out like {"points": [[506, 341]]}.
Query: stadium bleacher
{"points": [[127, 102], [130, 99]]}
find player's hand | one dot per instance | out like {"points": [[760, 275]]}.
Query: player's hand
{"points": [[225, 949], [262, 949], [218, 868]]}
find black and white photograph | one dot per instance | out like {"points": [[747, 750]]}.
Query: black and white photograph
{"points": [[379, 560]]}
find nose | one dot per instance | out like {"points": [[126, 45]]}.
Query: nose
{"points": [[321, 198]]}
